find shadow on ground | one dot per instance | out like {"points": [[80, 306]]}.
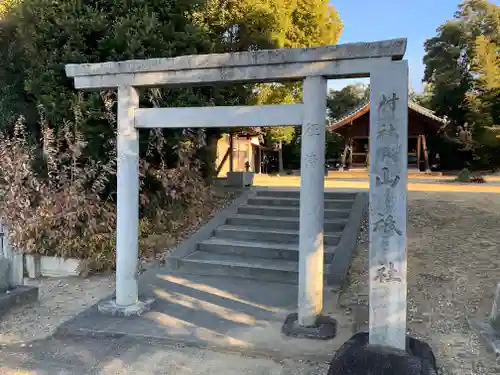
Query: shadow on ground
{"points": [[228, 314]]}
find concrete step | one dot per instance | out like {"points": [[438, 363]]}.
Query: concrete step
{"points": [[204, 263], [296, 194], [272, 222], [289, 212], [269, 235], [295, 202], [257, 249]]}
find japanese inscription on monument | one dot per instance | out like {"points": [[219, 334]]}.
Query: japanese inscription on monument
{"points": [[387, 179], [387, 273], [312, 129], [386, 225], [388, 176]]}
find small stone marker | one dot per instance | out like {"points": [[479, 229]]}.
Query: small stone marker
{"points": [[4, 274], [489, 330]]}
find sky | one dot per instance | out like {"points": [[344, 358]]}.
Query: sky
{"points": [[372, 20]]}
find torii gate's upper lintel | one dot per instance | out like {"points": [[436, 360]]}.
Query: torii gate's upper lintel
{"points": [[388, 153], [351, 60]]}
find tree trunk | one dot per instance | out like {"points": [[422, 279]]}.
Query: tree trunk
{"points": [[280, 157], [210, 154]]}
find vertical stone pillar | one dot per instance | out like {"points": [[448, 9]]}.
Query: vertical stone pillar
{"points": [[127, 227], [15, 258], [388, 203], [495, 311], [127, 235], [312, 164], [231, 150]]}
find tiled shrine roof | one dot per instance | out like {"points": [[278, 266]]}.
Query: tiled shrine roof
{"points": [[356, 113]]}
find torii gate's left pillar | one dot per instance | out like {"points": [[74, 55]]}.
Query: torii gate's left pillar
{"points": [[127, 210]]}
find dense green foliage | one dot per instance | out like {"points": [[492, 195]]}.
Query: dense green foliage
{"points": [[342, 101], [462, 73], [40, 36], [37, 39]]}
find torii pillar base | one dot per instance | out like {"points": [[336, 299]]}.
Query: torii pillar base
{"points": [[489, 329]]}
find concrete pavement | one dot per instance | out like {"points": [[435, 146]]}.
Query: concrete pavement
{"points": [[88, 356]]}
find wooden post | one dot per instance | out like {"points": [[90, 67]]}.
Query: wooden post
{"points": [[280, 157], [426, 155], [419, 145], [350, 153], [231, 147], [388, 204], [223, 161], [344, 156]]}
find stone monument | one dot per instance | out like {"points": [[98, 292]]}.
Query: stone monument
{"points": [[386, 349], [489, 329], [12, 291]]}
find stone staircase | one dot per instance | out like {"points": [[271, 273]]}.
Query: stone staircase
{"points": [[260, 240]]}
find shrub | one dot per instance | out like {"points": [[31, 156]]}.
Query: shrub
{"points": [[464, 176], [478, 180], [51, 198], [57, 201]]}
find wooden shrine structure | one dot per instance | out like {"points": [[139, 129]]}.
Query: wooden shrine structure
{"points": [[354, 128]]}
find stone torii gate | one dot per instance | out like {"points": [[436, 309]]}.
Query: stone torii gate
{"points": [[381, 61]]}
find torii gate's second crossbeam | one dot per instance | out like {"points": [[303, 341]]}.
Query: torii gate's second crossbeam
{"points": [[312, 65]]}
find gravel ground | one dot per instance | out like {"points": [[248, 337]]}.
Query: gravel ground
{"points": [[453, 269], [59, 301]]}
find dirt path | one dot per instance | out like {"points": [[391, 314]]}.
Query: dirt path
{"points": [[453, 269]]}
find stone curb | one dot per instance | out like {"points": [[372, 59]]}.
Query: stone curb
{"points": [[66, 331], [337, 271], [19, 296]]}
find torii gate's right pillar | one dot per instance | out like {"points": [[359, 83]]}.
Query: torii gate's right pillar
{"points": [[388, 203]]}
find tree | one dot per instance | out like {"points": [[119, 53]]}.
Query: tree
{"points": [[460, 66], [276, 136], [423, 98], [38, 37], [484, 101], [41, 36], [340, 102], [243, 25], [450, 53], [5, 5], [446, 68]]}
